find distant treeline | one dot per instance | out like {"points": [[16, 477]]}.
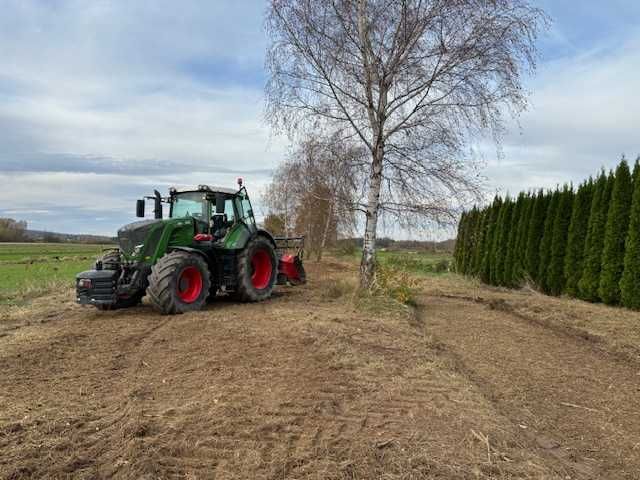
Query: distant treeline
{"points": [[12, 230], [16, 231], [445, 246], [582, 242]]}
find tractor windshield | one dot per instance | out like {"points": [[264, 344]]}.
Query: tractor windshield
{"points": [[189, 204]]}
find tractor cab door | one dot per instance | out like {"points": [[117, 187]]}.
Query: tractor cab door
{"points": [[223, 216], [244, 226], [246, 211]]}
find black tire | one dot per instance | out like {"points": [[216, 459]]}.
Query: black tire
{"points": [[251, 287], [173, 283]]}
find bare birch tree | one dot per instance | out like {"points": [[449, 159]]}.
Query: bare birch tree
{"points": [[328, 183], [280, 196], [319, 179], [413, 80]]}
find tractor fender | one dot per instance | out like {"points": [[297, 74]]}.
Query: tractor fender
{"points": [[190, 250], [263, 233]]}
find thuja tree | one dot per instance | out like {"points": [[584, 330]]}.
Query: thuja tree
{"points": [[577, 236], [489, 243], [471, 241], [501, 243], [465, 240], [517, 271], [555, 272], [535, 232], [630, 283], [615, 235], [547, 239], [590, 281], [512, 254], [480, 242], [457, 252]]}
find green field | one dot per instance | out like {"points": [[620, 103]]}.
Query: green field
{"points": [[421, 263], [31, 269]]}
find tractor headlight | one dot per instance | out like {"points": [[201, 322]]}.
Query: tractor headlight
{"points": [[137, 250], [84, 283]]}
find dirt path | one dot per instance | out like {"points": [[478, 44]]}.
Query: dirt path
{"points": [[575, 404], [309, 386]]}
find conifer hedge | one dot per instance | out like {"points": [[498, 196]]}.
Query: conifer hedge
{"points": [[630, 283], [582, 242]]}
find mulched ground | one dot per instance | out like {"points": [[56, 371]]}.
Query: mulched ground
{"points": [[308, 386]]}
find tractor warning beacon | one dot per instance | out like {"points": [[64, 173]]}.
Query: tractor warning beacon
{"points": [[210, 243]]}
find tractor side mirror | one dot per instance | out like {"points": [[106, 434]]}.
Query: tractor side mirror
{"points": [[220, 199], [140, 208]]}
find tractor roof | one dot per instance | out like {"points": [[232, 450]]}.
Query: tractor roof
{"points": [[204, 188]]}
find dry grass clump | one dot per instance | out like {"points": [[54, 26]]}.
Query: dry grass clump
{"points": [[339, 288], [396, 284]]}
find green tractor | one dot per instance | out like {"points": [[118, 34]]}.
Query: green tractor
{"points": [[209, 244]]}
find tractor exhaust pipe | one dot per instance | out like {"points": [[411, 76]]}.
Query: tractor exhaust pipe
{"points": [[157, 209]]}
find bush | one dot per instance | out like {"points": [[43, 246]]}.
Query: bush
{"points": [[396, 284], [442, 266], [347, 248]]}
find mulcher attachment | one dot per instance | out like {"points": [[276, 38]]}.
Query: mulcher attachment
{"points": [[290, 268]]}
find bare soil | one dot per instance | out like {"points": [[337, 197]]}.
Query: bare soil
{"points": [[470, 385]]}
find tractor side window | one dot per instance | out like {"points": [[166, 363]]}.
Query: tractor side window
{"points": [[228, 210], [247, 211]]}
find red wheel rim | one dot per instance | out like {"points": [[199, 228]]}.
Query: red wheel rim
{"points": [[262, 269], [189, 284]]}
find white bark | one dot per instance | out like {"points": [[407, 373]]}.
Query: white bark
{"points": [[368, 262]]}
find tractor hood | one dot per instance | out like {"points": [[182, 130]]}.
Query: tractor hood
{"points": [[135, 234]]}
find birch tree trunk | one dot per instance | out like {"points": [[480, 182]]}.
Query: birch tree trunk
{"points": [[368, 262]]}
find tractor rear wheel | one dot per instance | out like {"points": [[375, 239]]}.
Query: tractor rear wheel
{"points": [[179, 282], [257, 271]]}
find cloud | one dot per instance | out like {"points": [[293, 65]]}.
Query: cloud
{"points": [[584, 115], [101, 102]]}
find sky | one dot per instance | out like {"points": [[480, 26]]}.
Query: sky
{"points": [[103, 101]]}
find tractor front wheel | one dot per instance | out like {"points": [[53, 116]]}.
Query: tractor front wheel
{"points": [[257, 271], [179, 282]]}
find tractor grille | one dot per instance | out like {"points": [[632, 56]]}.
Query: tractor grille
{"points": [[102, 290], [134, 234]]}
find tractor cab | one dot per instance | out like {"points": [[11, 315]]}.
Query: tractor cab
{"points": [[216, 211]]}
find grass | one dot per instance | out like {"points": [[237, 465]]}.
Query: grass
{"points": [[414, 262], [398, 272], [420, 263], [31, 269]]}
